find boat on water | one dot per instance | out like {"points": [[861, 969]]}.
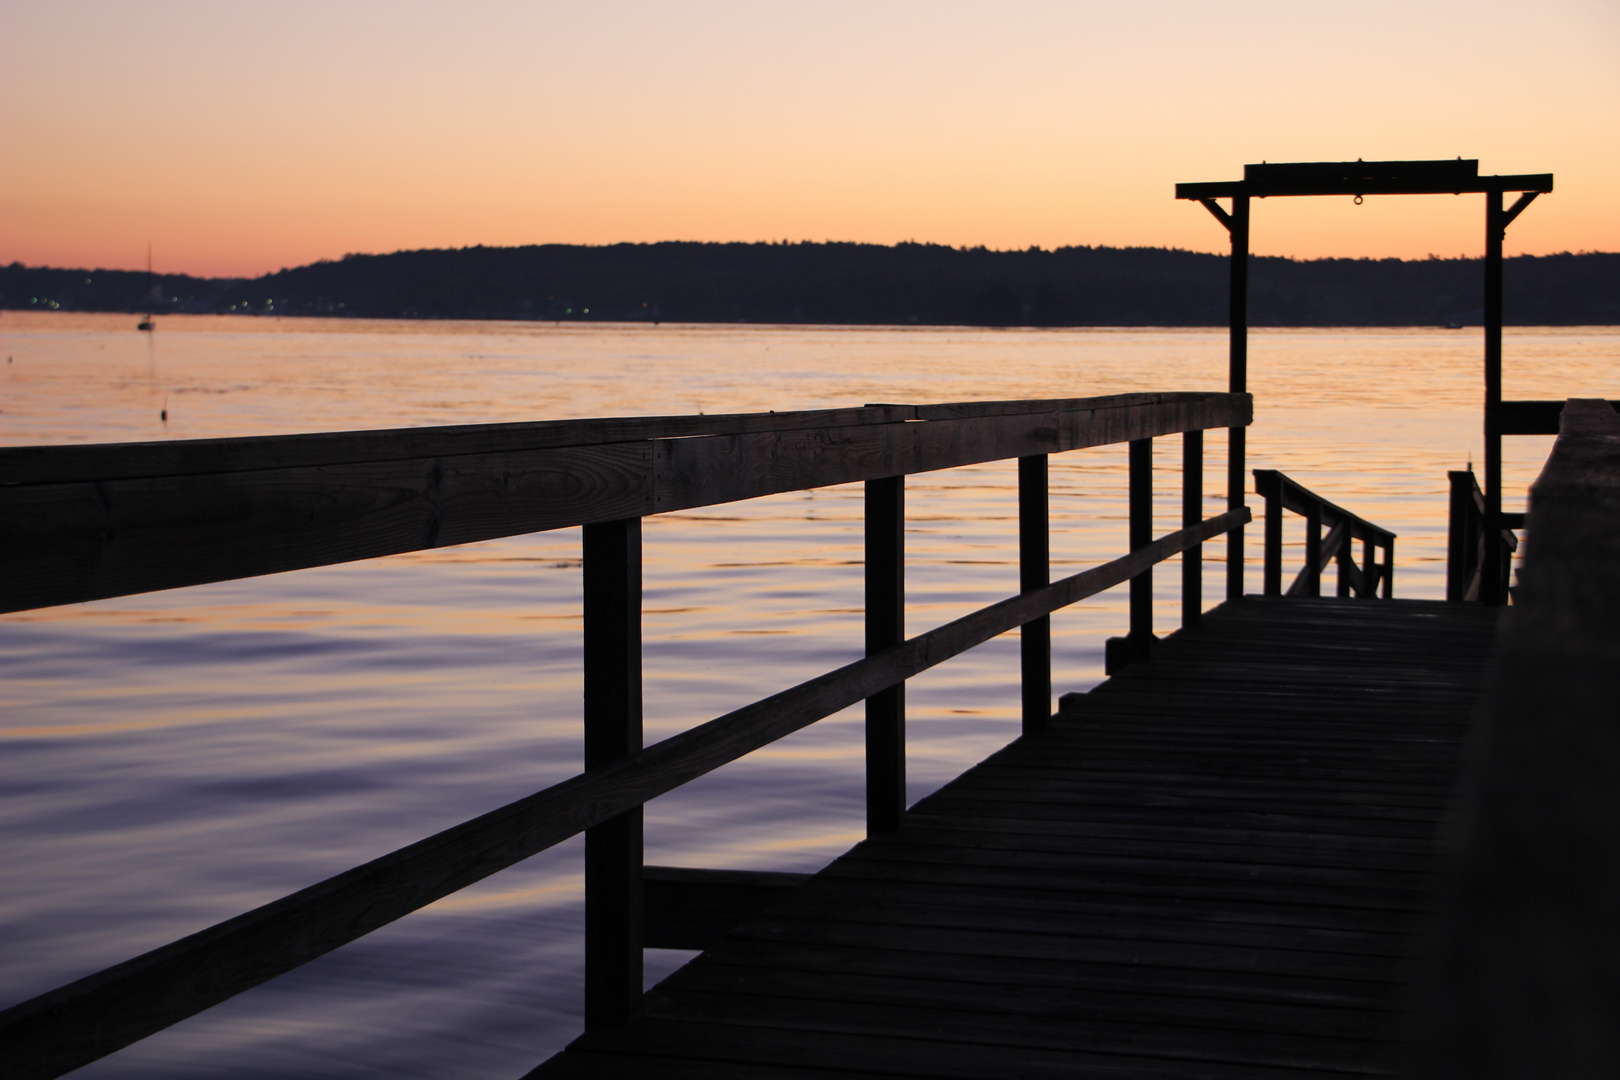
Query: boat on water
{"points": [[146, 320]]}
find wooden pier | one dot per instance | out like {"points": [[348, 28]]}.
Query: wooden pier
{"points": [[1213, 865], [1226, 861]]}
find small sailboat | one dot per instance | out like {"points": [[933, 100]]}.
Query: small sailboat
{"points": [[146, 323]]}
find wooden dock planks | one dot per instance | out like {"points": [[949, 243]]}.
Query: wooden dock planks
{"points": [[1210, 866]]}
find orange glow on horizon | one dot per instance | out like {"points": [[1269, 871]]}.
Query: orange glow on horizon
{"points": [[238, 146]]}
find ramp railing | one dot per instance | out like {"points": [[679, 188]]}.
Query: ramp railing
{"points": [[1344, 528]]}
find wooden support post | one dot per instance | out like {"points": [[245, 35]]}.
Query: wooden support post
{"points": [[1493, 572], [1462, 540], [1141, 536], [1237, 383], [1313, 551], [1369, 570], [613, 896], [1274, 552], [1138, 643], [1388, 576], [1192, 512], [885, 627], [1035, 572]]}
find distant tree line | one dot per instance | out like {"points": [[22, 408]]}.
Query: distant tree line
{"points": [[853, 283]]}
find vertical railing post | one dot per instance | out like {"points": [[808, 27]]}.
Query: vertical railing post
{"points": [[1274, 526], [1388, 576], [1494, 572], [1461, 539], [1138, 643], [885, 627], [1369, 569], [1343, 559], [1237, 383], [1141, 536], [1192, 512], [1313, 551], [612, 640], [1035, 572]]}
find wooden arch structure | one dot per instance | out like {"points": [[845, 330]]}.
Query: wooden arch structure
{"points": [[1360, 178]]}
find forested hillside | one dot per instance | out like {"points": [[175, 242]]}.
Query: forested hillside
{"points": [[854, 283]]}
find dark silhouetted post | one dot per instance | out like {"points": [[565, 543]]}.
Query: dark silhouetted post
{"points": [[1274, 525], [1141, 537], [1313, 551], [1138, 643], [1493, 572], [885, 627], [612, 641], [1035, 572], [1237, 383], [1463, 538], [1192, 512]]}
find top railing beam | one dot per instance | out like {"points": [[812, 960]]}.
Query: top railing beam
{"points": [[96, 537], [1302, 500]]}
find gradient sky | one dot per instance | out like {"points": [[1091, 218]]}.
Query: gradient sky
{"points": [[240, 138]]}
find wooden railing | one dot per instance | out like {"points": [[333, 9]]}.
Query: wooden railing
{"points": [[85, 522], [1523, 945], [1466, 552], [1344, 528]]}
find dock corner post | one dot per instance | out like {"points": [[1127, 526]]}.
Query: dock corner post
{"points": [[613, 850], [1238, 383], [1495, 554], [1192, 512], [885, 628], [1035, 572]]}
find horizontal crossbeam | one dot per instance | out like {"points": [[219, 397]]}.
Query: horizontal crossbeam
{"points": [[1453, 177]]}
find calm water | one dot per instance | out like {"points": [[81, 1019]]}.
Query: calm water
{"points": [[173, 759]]}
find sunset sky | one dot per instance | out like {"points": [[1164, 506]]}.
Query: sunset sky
{"points": [[240, 138]]}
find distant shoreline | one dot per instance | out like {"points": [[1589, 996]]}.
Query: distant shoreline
{"points": [[852, 285]]}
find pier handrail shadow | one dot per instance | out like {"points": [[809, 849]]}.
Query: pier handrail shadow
{"points": [[87, 522], [1344, 528]]}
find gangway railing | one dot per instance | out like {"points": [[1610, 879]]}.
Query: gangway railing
{"points": [[87, 522], [1466, 549], [1344, 528]]}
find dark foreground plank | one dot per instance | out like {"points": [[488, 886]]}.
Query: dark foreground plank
{"points": [[1210, 866]]}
